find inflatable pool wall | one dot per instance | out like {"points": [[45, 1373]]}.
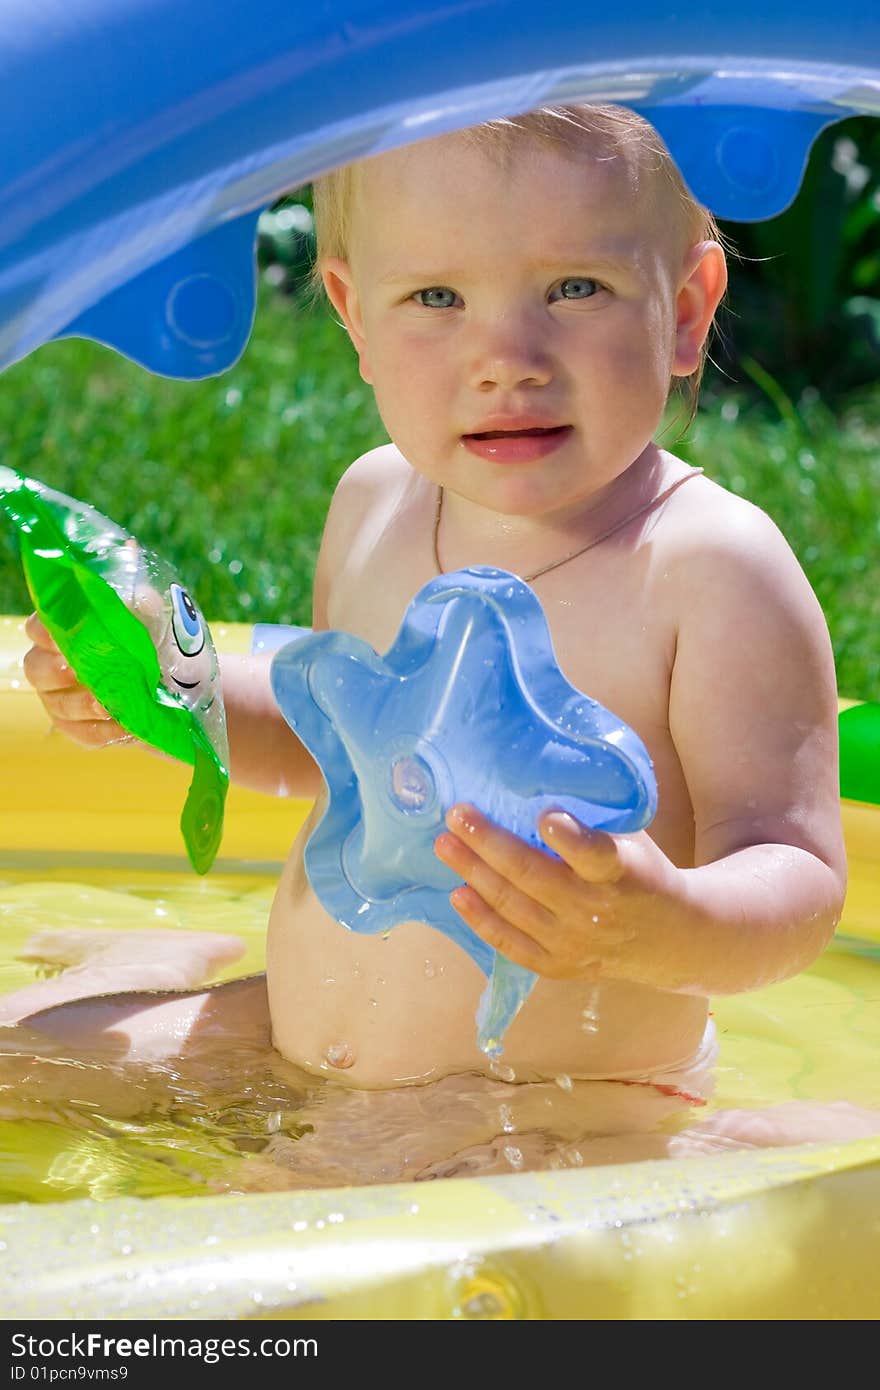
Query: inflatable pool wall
{"points": [[784, 1234], [144, 137]]}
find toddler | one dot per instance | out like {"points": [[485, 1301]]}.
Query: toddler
{"points": [[523, 298]]}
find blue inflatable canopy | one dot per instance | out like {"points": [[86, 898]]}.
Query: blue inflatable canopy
{"points": [[142, 138]]}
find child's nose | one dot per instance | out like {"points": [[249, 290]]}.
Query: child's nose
{"points": [[509, 355]]}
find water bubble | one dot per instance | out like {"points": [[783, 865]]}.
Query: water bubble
{"points": [[504, 1073], [590, 1012], [482, 1305]]}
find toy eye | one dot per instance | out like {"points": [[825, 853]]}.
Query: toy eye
{"points": [[187, 626]]}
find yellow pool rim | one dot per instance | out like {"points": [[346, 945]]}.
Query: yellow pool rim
{"points": [[785, 1234]]}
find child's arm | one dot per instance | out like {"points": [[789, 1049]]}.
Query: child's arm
{"points": [[753, 716], [264, 752]]}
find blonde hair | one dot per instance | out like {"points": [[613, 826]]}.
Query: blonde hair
{"points": [[562, 128]]}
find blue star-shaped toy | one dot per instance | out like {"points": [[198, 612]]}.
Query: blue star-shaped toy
{"points": [[468, 705]]}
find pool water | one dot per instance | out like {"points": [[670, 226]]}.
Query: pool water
{"points": [[813, 1038]]}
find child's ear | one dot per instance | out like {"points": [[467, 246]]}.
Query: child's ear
{"points": [[340, 287], [699, 294]]}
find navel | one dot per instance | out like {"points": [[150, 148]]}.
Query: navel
{"points": [[339, 1055]]}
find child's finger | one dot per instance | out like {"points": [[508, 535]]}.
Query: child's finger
{"points": [[76, 704], [95, 733], [527, 870], [39, 634], [46, 670], [594, 855], [497, 892], [518, 946]]}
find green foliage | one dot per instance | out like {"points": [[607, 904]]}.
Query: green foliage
{"points": [[230, 478], [816, 472], [286, 243], [805, 293]]}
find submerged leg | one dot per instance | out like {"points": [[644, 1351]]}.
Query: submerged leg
{"points": [[98, 961], [122, 1022], [124, 1054], [778, 1126]]}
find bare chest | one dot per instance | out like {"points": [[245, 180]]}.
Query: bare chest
{"points": [[611, 623]]}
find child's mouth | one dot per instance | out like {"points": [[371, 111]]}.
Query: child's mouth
{"points": [[516, 446]]}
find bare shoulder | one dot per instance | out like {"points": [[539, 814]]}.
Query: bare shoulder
{"points": [[366, 483], [373, 481], [722, 551]]}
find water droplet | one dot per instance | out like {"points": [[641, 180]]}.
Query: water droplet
{"points": [[504, 1073], [429, 969], [513, 1155], [563, 1082]]}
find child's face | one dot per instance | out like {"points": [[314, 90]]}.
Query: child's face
{"points": [[520, 321]]}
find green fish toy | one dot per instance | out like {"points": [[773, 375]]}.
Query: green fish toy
{"points": [[133, 635]]}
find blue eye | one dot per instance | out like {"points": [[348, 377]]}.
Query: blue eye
{"points": [[577, 287], [437, 297], [189, 632]]}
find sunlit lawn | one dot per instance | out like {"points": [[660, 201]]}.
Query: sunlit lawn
{"points": [[230, 478]]}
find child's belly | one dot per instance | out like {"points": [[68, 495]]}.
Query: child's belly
{"points": [[384, 1011]]}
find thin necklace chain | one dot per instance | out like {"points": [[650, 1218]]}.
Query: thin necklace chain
{"points": [[597, 540]]}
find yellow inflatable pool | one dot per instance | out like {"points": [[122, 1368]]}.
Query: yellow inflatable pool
{"points": [[786, 1234]]}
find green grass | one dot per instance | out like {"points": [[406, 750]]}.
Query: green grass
{"points": [[230, 478]]}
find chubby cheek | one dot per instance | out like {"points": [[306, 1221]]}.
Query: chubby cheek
{"points": [[415, 396], [632, 375]]}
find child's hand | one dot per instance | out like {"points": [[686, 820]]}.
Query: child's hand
{"points": [[72, 708], [596, 911]]}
